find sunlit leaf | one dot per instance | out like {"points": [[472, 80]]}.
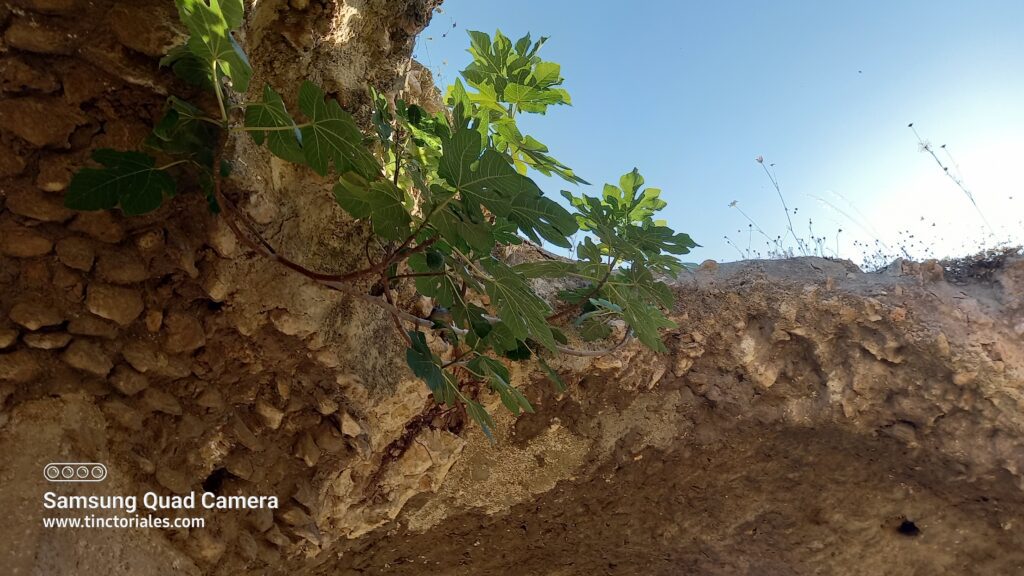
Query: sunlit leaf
{"points": [[283, 138], [332, 137], [210, 40]]}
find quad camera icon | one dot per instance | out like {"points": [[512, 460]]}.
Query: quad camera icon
{"points": [[75, 472]]}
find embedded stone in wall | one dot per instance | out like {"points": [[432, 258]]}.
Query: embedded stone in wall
{"points": [[307, 450], [54, 173], [8, 336], [124, 414], [222, 239], [150, 243], [325, 404], [89, 325], [211, 399], [270, 415], [154, 320], [122, 305], [49, 6], [240, 465], [71, 282], [31, 203], [329, 439], [155, 39], [84, 82], [146, 358], [128, 381], [142, 356], [28, 34], [121, 267], [47, 340], [16, 76], [100, 225], [35, 314], [161, 401], [172, 479], [22, 242], [19, 366], [349, 426], [88, 357], [76, 252], [121, 134], [11, 164], [184, 333], [40, 121], [206, 546]]}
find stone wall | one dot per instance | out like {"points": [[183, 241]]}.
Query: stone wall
{"points": [[157, 346]]}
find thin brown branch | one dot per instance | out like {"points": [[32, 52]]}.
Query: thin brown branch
{"points": [[595, 353], [263, 248], [374, 268], [372, 490], [398, 151], [597, 288], [391, 301], [396, 256], [235, 215], [258, 244], [456, 359], [416, 275]]}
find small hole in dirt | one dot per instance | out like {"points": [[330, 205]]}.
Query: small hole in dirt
{"points": [[215, 480], [214, 306], [908, 528]]}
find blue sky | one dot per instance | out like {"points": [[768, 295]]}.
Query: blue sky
{"points": [[692, 92]]}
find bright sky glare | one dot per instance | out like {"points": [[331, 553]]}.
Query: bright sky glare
{"points": [[692, 92]]}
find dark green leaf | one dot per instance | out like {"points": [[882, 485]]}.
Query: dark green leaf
{"points": [[183, 133], [520, 353], [189, 67], [472, 317], [538, 216], [441, 286], [636, 292], [333, 137], [380, 201], [535, 99], [210, 39], [594, 329], [463, 229], [545, 269], [498, 379], [552, 375], [518, 306], [128, 179], [434, 260], [489, 181], [424, 363], [283, 138], [481, 417]]}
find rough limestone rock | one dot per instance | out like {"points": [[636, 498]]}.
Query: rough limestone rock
{"points": [[808, 419], [122, 305], [21, 242]]}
